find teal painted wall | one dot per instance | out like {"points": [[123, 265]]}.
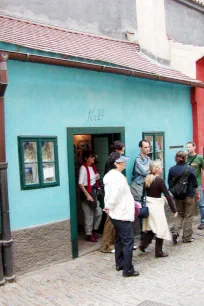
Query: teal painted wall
{"points": [[44, 100]]}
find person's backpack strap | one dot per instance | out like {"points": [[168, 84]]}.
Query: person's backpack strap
{"points": [[192, 159], [143, 198]]}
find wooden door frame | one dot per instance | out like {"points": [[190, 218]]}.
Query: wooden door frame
{"points": [[71, 131]]}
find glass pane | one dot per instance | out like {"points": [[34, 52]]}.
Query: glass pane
{"points": [[159, 155], [48, 151], [49, 172], [159, 149], [31, 173], [159, 144], [30, 151]]}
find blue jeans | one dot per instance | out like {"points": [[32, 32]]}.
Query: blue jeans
{"points": [[201, 204], [124, 241]]}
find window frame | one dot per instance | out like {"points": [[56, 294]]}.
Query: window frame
{"points": [[154, 152], [38, 140]]}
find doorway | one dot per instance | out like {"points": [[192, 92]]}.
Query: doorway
{"points": [[99, 141]]}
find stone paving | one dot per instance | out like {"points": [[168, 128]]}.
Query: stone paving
{"points": [[92, 280]]}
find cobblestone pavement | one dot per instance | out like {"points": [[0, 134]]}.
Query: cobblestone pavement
{"points": [[92, 280]]}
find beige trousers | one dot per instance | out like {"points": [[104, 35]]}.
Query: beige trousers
{"points": [[186, 209]]}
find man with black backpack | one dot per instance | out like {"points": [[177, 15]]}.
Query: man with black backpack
{"points": [[197, 162], [183, 185]]}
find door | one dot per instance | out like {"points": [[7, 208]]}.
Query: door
{"points": [[113, 133]]}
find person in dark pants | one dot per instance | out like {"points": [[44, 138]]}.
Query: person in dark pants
{"points": [[119, 205], [124, 241], [108, 238]]}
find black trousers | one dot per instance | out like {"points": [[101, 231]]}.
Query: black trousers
{"points": [[124, 242], [147, 239]]}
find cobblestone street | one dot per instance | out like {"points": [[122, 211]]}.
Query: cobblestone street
{"points": [[92, 280]]}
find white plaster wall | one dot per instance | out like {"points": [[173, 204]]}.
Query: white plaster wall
{"points": [[184, 57], [151, 27], [152, 37]]}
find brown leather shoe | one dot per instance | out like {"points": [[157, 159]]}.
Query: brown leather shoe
{"points": [[162, 254]]}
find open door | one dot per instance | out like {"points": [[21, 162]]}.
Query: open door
{"points": [[101, 140]]}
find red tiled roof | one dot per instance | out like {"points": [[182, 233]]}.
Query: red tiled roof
{"points": [[83, 45], [201, 2]]}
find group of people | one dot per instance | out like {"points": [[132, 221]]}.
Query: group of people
{"points": [[148, 188]]}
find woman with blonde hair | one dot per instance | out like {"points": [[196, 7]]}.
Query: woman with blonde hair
{"points": [[156, 223]]}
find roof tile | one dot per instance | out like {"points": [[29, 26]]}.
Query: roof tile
{"points": [[76, 44]]}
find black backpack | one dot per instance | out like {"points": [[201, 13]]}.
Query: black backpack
{"points": [[179, 185]]}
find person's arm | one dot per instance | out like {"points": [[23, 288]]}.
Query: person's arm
{"points": [[82, 174], [195, 185], [139, 167], [168, 197], [169, 177], [202, 166], [112, 194]]}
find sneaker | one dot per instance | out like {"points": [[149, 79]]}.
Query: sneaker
{"points": [[134, 247], [113, 251], [174, 238], [188, 241], [201, 226]]}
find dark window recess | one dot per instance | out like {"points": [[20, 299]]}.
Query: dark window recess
{"points": [[38, 161]]}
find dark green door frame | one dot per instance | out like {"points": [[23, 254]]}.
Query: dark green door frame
{"points": [[71, 172]]}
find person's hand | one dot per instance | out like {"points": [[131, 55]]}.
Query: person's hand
{"points": [[97, 176], [197, 197], [89, 198], [175, 215], [106, 210]]}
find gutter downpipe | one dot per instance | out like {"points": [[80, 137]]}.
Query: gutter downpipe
{"points": [[97, 67], [6, 258]]}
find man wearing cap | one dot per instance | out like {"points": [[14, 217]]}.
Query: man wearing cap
{"points": [[119, 205]]}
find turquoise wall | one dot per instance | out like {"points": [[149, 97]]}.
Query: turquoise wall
{"points": [[44, 100]]}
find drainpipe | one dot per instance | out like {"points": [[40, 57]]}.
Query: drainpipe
{"points": [[6, 231], [6, 260]]}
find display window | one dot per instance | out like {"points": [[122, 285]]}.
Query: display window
{"points": [[38, 160]]}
